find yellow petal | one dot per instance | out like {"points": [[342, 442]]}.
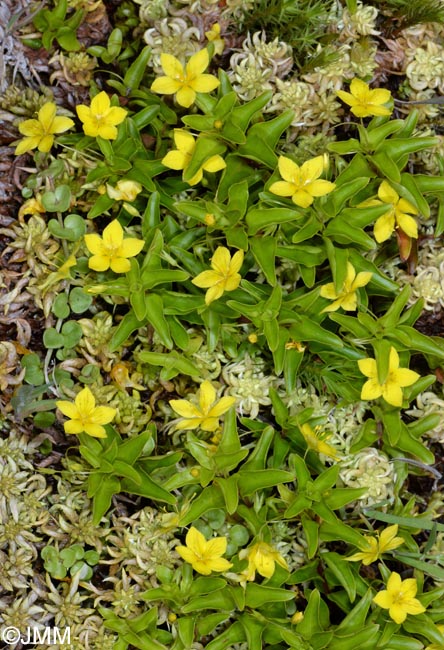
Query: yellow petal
{"points": [[220, 261], [414, 607], [85, 402], [103, 415], [165, 86], [185, 408], [99, 263], [115, 115], [184, 141], [288, 169], [222, 406], [61, 124], [406, 377], [100, 104], [186, 554], [368, 367], [379, 96], [320, 187], [214, 164], [46, 115], [392, 393], [31, 128], [196, 178], [349, 301], [384, 227], [113, 235], [237, 261], [197, 64], [27, 144], [384, 599], [387, 194], [398, 613], [176, 159], [214, 293], [195, 541], [83, 112], [302, 198], [46, 143], [95, 430], [361, 280], [131, 247], [207, 395], [405, 206], [105, 131], [408, 225], [393, 359], [185, 96], [219, 564], [73, 426], [204, 83], [359, 88], [328, 291], [232, 282], [207, 279], [347, 98], [171, 66], [371, 390], [68, 408], [312, 169], [282, 188], [216, 546], [119, 265]]}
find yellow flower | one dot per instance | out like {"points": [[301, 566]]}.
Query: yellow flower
{"points": [[40, 132], [32, 206], [125, 190], [346, 298], [180, 158], [100, 118], [437, 646], [398, 214], [204, 556], [213, 35], [301, 183], [185, 83], [206, 415], [112, 250], [85, 416], [223, 277], [399, 598], [316, 441], [365, 102], [387, 541], [391, 389], [261, 558]]}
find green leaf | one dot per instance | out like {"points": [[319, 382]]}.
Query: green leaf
{"points": [[260, 595], [342, 571], [58, 200]]}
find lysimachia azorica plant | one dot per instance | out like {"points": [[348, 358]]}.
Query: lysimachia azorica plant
{"points": [[201, 234]]}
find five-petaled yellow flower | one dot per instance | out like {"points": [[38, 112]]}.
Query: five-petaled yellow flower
{"points": [[302, 183], [399, 598], [185, 83], [204, 556], [261, 558], [85, 416], [225, 275], [100, 118], [346, 297], [315, 441], [112, 250], [206, 414], [180, 158], [365, 102], [374, 548], [125, 190], [40, 132], [398, 214], [391, 389]]}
